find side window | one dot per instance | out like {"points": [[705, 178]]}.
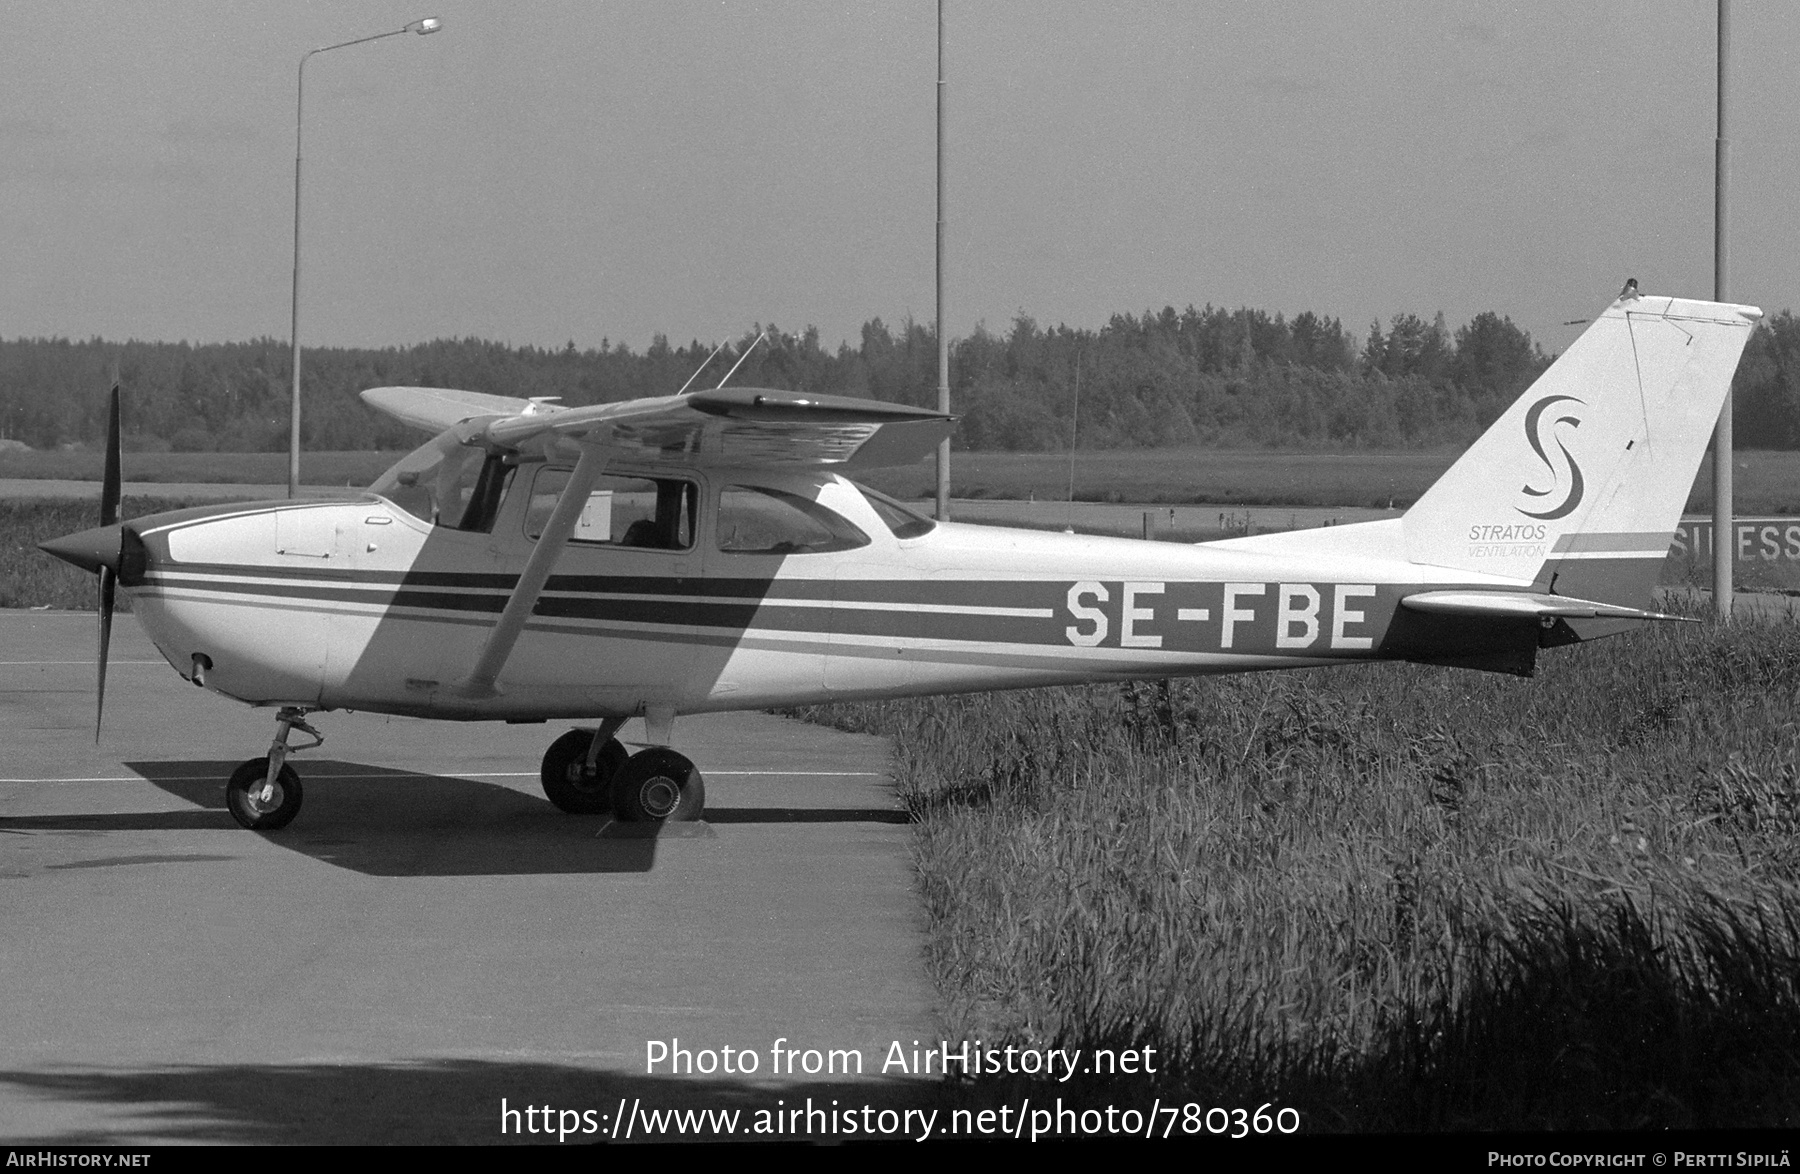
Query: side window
{"points": [[621, 511], [902, 521], [755, 520]]}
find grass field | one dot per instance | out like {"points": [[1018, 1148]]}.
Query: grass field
{"points": [[1765, 482], [31, 578], [251, 468], [1395, 898], [1152, 476]]}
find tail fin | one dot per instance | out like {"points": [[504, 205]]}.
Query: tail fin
{"points": [[1579, 485]]}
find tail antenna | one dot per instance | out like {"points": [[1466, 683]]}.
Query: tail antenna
{"points": [[759, 338]]}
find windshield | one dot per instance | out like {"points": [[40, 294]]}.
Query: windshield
{"points": [[448, 483]]}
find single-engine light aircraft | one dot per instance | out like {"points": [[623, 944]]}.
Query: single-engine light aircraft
{"points": [[705, 551]]}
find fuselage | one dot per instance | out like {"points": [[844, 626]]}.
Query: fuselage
{"points": [[366, 605]]}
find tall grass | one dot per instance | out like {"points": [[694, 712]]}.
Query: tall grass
{"points": [[1394, 897]]}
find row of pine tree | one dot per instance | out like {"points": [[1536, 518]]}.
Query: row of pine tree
{"points": [[1213, 377]]}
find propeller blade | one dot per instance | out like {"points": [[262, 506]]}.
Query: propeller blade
{"points": [[108, 580], [109, 487], [109, 576]]}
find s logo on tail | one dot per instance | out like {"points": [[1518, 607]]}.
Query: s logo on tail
{"points": [[1574, 486]]}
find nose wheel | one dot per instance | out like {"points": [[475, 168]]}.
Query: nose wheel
{"points": [[261, 804], [264, 793]]}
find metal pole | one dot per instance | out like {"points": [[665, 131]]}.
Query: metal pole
{"points": [[1724, 533], [943, 342], [418, 26], [293, 486]]}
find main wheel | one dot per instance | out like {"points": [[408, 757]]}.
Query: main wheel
{"points": [[567, 780], [658, 785], [255, 809]]}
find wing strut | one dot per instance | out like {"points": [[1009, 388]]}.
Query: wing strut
{"points": [[550, 544]]}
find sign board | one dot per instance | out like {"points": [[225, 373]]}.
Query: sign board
{"points": [[1768, 540]]}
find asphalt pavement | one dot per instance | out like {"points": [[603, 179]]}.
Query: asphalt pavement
{"points": [[430, 936]]}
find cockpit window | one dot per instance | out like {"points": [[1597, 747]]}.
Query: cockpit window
{"points": [[621, 511], [902, 521], [757, 520], [449, 484]]}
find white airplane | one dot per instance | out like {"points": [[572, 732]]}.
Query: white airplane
{"points": [[704, 552]]}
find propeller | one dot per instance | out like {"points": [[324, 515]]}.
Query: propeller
{"points": [[109, 575], [105, 550]]}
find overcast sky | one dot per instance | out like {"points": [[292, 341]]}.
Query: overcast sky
{"points": [[539, 172]]}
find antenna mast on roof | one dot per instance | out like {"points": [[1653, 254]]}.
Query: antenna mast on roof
{"points": [[702, 367], [741, 359]]}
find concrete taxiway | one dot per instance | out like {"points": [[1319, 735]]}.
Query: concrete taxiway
{"points": [[430, 935]]}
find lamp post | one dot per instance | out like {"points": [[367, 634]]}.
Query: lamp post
{"points": [[1724, 530], [430, 24], [943, 341]]}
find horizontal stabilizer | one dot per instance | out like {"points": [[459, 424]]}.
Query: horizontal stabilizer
{"points": [[1525, 605]]}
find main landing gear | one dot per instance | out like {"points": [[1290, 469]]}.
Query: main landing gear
{"points": [[588, 772], [264, 793]]}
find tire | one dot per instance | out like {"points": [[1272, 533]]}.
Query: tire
{"points": [[253, 813], [567, 782], [657, 786]]}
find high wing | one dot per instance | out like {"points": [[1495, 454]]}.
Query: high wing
{"points": [[726, 426]]}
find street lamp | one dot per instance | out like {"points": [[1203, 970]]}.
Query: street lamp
{"points": [[430, 24]]}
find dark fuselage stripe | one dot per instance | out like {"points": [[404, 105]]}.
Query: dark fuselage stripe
{"points": [[1016, 593], [741, 614]]}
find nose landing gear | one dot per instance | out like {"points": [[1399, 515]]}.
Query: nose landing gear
{"points": [[264, 793]]}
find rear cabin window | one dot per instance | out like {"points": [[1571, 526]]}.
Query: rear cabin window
{"points": [[641, 512], [756, 520], [902, 521]]}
